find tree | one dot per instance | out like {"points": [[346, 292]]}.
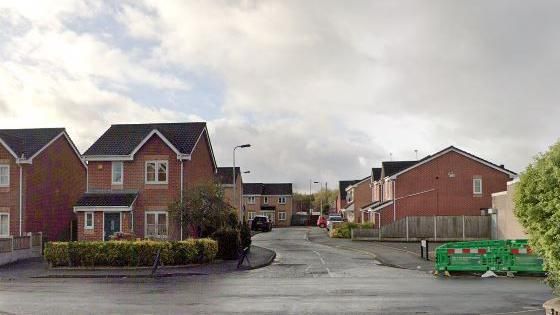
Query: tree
{"points": [[537, 205], [203, 207], [328, 198]]}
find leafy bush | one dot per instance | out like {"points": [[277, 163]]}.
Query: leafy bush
{"points": [[125, 253], [537, 205], [368, 225], [56, 253], [343, 230], [245, 234], [229, 243]]}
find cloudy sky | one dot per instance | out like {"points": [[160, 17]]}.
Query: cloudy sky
{"points": [[321, 89]]}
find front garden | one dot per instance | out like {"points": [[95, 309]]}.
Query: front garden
{"points": [[343, 230]]}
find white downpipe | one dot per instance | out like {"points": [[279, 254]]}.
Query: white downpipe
{"points": [[181, 200], [20, 200], [394, 201]]}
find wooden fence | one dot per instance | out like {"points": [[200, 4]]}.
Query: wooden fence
{"points": [[435, 228]]}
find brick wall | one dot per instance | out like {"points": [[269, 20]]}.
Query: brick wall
{"points": [[53, 184], [362, 197], [95, 234], [9, 197], [272, 201], [444, 186]]}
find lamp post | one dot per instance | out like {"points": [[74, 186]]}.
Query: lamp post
{"points": [[234, 173], [321, 184]]}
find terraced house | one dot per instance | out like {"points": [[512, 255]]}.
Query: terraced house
{"points": [[135, 171], [42, 175], [272, 200]]}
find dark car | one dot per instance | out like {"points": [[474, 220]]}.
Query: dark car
{"points": [[261, 223]]}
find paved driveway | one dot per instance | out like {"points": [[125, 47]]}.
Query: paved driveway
{"points": [[306, 278]]}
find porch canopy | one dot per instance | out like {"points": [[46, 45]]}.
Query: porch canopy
{"points": [[106, 201]]}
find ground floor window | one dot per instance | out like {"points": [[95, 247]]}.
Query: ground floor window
{"points": [[4, 224], [282, 216], [156, 224], [269, 214], [252, 215], [88, 220]]}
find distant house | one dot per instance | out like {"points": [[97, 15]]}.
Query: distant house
{"points": [[272, 200], [42, 175], [225, 177], [449, 182], [135, 171], [358, 195], [341, 200], [507, 225]]}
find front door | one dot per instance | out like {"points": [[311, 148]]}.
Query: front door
{"points": [[112, 224]]}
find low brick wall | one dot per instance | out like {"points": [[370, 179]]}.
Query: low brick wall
{"points": [[16, 248]]}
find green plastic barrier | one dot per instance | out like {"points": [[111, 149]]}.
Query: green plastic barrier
{"points": [[495, 255]]}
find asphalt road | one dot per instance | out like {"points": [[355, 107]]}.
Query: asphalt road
{"points": [[305, 278]]}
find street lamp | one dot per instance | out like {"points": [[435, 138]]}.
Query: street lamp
{"points": [[243, 146], [321, 184]]}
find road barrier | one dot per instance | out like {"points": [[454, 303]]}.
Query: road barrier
{"points": [[507, 256]]}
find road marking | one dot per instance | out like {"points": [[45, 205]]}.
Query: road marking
{"points": [[323, 262], [519, 312]]}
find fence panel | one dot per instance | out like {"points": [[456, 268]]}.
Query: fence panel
{"points": [[477, 227], [22, 242], [5, 245]]}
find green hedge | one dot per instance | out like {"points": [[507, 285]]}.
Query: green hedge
{"points": [[127, 253], [343, 230], [229, 243]]}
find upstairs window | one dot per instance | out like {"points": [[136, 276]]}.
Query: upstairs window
{"points": [[282, 200], [4, 175], [117, 177], [265, 200], [477, 186], [156, 172], [251, 200]]}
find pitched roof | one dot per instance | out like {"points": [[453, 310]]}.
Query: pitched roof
{"points": [[267, 189], [390, 168], [124, 139], [108, 199], [225, 174], [376, 173], [428, 158], [28, 142], [343, 184]]}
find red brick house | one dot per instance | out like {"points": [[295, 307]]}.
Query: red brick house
{"points": [[341, 199], [273, 200], [135, 171], [448, 183], [42, 175], [358, 195], [225, 177]]}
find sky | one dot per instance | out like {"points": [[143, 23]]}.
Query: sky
{"points": [[322, 90]]}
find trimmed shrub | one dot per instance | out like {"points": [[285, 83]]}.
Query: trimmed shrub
{"points": [[366, 225], [229, 243], [343, 230], [56, 253], [126, 253], [245, 234]]}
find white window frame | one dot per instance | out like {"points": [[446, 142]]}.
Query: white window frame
{"points": [[251, 200], [282, 216], [157, 164], [7, 214], [270, 214], [251, 215], [265, 200], [7, 166], [477, 179], [156, 217], [86, 226], [113, 173], [282, 200]]}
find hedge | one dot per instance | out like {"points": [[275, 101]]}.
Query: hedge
{"points": [[344, 229], [229, 243], [127, 253]]}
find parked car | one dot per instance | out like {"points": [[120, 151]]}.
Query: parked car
{"points": [[261, 223], [333, 219], [322, 222]]}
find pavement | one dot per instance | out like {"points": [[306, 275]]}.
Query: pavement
{"points": [[399, 255], [307, 277], [36, 268]]}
